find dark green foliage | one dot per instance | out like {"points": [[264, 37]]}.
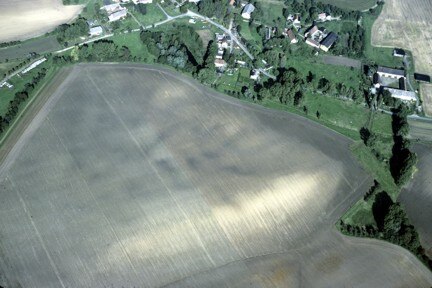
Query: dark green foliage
{"points": [[180, 48], [67, 32], [380, 208], [20, 97], [214, 8], [403, 160], [7, 44], [372, 191], [141, 8]]}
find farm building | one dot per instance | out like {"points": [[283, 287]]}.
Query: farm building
{"points": [[422, 77], [117, 15], [34, 65], [96, 31], [328, 42], [290, 34], [219, 63], [111, 8], [247, 11], [311, 31], [399, 52], [390, 72], [10, 86], [312, 42], [402, 94]]}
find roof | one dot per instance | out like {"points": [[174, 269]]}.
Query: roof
{"points": [[312, 41], [248, 9], [399, 51], [291, 34], [422, 77], [392, 71], [117, 15], [96, 30], [329, 40], [402, 94], [312, 30]]}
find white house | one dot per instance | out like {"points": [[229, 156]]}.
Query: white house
{"points": [[255, 74], [117, 15], [312, 42], [96, 31], [247, 11]]}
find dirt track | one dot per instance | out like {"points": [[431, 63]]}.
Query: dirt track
{"points": [[133, 175]]}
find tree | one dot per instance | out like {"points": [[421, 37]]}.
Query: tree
{"points": [[141, 8]]}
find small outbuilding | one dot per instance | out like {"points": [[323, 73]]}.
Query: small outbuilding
{"points": [[397, 52], [422, 78]]}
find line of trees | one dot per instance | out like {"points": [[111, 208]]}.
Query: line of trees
{"points": [[19, 98], [391, 224], [10, 43], [68, 32]]}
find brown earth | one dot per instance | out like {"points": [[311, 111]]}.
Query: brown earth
{"points": [[21, 19], [135, 176]]}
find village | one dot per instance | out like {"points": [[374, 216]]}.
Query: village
{"points": [[233, 64]]}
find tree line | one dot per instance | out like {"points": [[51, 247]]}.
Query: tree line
{"points": [[19, 98], [391, 224]]}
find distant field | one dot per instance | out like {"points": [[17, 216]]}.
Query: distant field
{"points": [[407, 24], [38, 45], [341, 61], [133, 176], [21, 19], [417, 197], [352, 4]]}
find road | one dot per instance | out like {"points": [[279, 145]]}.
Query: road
{"points": [[168, 19]]}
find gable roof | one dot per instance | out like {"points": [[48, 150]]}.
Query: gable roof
{"points": [[329, 40], [392, 71]]}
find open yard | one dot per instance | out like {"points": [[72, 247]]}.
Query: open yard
{"points": [[417, 197], [22, 19], [134, 176], [407, 24]]}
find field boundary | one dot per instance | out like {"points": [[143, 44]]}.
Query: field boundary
{"points": [[18, 127]]}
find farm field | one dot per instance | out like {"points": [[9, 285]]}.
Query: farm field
{"points": [[22, 19], [39, 45], [407, 24], [133, 175], [417, 197], [352, 4]]}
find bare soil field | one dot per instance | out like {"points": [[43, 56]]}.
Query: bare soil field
{"points": [[420, 130], [135, 176], [417, 197], [22, 19], [407, 24]]}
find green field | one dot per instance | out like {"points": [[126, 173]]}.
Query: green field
{"points": [[153, 15], [351, 4], [39, 45]]}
